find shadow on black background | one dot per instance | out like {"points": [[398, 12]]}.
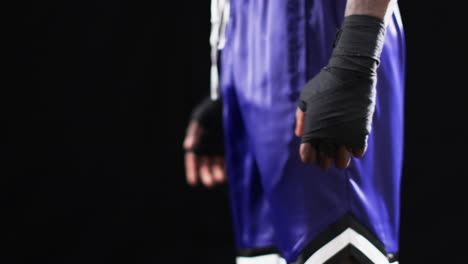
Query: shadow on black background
{"points": [[93, 112]]}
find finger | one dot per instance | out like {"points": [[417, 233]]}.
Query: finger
{"points": [[342, 157], [217, 169], [205, 172], [308, 153], [194, 132], [191, 168], [324, 161], [359, 153], [299, 122]]}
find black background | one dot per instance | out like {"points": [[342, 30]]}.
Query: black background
{"points": [[93, 110]]}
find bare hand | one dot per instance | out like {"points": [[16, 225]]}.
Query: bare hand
{"points": [[309, 154]]}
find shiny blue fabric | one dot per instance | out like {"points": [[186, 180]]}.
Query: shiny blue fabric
{"points": [[273, 48]]}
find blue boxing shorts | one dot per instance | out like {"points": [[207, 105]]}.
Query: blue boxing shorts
{"points": [[284, 210]]}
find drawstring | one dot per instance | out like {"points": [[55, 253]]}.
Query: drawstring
{"points": [[219, 19]]}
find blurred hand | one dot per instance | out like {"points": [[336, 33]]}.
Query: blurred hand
{"points": [[207, 169], [309, 154]]}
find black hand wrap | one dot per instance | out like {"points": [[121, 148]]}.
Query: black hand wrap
{"points": [[339, 101], [209, 114]]}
